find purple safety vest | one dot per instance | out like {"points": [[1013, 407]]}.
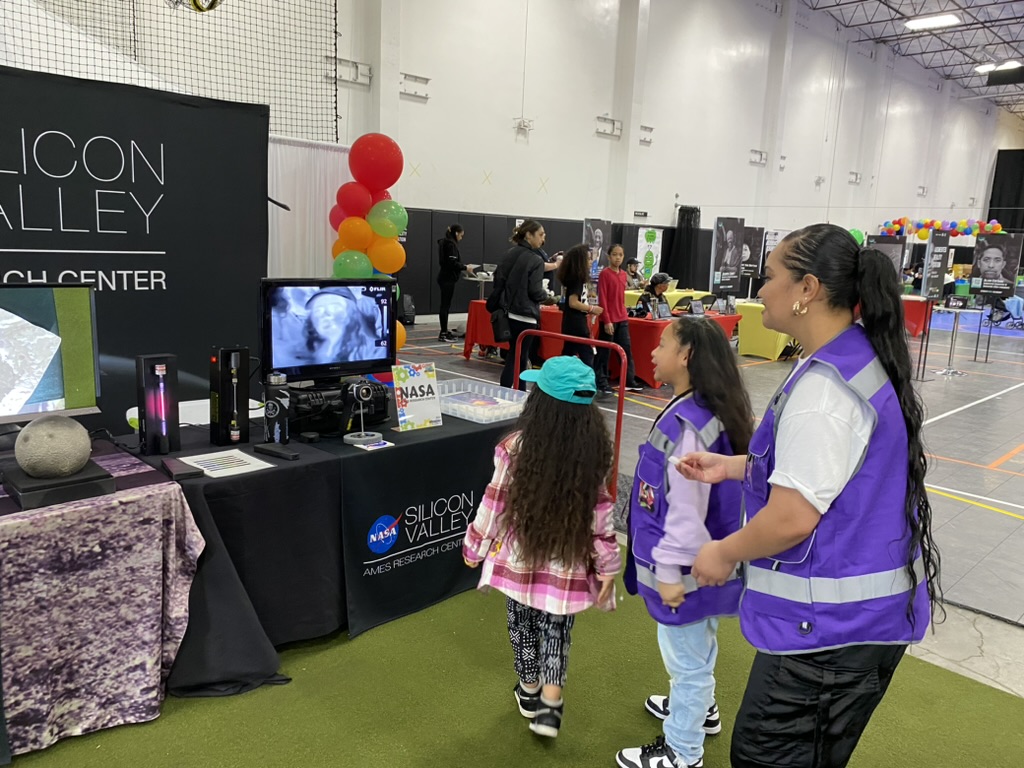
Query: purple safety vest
{"points": [[648, 508], [846, 584]]}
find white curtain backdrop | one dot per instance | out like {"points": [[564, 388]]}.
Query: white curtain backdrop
{"points": [[305, 176]]}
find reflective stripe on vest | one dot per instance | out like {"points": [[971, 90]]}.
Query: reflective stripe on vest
{"points": [[850, 589], [647, 577], [661, 443]]}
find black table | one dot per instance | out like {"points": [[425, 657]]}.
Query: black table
{"points": [[288, 553]]}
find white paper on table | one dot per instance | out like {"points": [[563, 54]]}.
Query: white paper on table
{"points": [[226, 463], [25, 353]]}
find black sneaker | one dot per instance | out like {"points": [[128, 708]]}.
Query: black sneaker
{"points": [[547, 720], [658, 706], [635, 386], [608, 391], [657, 754], [528, 702]]}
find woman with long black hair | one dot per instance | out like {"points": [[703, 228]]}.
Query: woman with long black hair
{"points": [[842, 572]]}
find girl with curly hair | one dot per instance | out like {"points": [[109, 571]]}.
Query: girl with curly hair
{"points": [[544, 532]]}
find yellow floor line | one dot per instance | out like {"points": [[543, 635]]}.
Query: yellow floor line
{"points": [[975, 503]]}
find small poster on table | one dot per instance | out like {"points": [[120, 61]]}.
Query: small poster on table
{"points": [[416, 397]]}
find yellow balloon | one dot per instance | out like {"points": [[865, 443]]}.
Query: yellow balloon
{"points": [[922, 234], [387, 255], [399, 336]]}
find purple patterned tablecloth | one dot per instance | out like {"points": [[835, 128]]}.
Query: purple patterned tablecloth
{"points": [[93, 604]]}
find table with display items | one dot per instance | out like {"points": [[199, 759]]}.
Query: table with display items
{"points": [[672, 297], [95, 602], [291, 551], [645, 335], [756, 340], [479, 331]]}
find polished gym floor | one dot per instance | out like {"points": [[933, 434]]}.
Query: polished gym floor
{"points": [[974, 434]]}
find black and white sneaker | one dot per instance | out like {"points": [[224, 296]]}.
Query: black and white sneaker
{"points": [[528, 702], [634, 386], [658, 706], [657, 754], [547, 720]]}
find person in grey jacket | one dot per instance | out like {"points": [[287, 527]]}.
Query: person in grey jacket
{"points": [[519, 289]]}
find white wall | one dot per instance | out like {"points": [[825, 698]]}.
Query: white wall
{"points": [[715, 78]]}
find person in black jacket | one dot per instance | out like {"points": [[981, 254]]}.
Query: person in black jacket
{"points": [[449, 274], [519, 289]]}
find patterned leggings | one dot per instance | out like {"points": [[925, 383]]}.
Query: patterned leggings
{"points": [[540, 643]]}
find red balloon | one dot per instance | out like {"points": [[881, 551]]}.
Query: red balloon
{"points": [[354, 199], [337, 216], [381, 195], [376, 161]]}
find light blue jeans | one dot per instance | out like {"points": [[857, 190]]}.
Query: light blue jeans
{"points": [[689, 654]]}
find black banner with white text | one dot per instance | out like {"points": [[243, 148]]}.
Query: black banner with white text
{"points": [[158, 199]]}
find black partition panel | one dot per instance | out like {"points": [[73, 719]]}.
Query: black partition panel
{"points": [[416, 278], [471, 249]]}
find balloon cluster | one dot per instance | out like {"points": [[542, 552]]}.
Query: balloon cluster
{"points": [[908, 226], [367, 220]]}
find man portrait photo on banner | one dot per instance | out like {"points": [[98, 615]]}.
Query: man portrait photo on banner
{"points": [[996, 262]]}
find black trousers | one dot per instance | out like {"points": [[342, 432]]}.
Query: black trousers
{"points": [[809, 710], [540, 643], [507, 373], [575, 324], [620, 335], [447, 293]]}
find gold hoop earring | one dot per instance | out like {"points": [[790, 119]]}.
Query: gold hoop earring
{"points": [[799, 309]]}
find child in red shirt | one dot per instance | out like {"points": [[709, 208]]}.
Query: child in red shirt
{"points": [[611, 296]]}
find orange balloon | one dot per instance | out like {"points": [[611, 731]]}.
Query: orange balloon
{"points": [[399, 336], [354, 234], [337, 248], [387, 255]]}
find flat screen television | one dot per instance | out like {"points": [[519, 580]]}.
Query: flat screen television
{"points": [[315, 329], [49, 360]]}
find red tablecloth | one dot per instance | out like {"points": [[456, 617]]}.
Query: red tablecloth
{"points": [[478, 330], [915, 315], [644, 336]]}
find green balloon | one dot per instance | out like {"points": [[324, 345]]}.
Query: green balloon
{"points": [[352, 264], [858, 236], [388, 218]]}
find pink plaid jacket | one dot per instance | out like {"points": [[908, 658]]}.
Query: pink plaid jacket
{"points": [[554, 588]]}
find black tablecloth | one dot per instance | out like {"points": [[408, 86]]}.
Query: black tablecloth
{"points": [[286, 549], [271, 572], [405, 511]]}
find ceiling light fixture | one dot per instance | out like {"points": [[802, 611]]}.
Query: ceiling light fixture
{"points": [[933, 22], [1009, 65], [985, 68]]}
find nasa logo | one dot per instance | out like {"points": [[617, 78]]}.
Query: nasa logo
{"points": [[383, 534]]}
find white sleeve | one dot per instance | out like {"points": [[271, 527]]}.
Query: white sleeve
{"points": [[822, 436]]}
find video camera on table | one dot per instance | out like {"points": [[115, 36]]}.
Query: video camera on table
{"points": [[336, 410]]}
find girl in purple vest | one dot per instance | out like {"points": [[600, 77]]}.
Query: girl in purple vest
{"points": [[671, 518], [842, 572], [544, 530]]}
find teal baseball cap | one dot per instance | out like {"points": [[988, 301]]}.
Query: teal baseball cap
{"points": [[565, 378]]}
